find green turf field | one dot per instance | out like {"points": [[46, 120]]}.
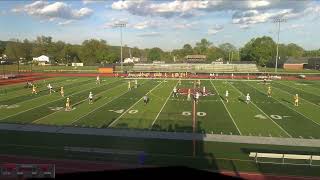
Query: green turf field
{"points": [[117, 107]]}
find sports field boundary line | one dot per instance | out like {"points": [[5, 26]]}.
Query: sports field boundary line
{"points": [[133, 105], [289, 107], [299, 96], [155, 119], [78, 92], [77, 102], [226, 108], [263, 113], [283, 83]]}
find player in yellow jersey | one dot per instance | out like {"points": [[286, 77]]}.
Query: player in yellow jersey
{"points": [[62, 91], [296, 100], [68, 104], [269, 91], [129, 85], [34, 89]]}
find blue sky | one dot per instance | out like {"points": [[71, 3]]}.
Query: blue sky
{"points": [[162, 23]]}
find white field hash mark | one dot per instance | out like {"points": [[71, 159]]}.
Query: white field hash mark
{"points": [[113, 122], [226, 108]]}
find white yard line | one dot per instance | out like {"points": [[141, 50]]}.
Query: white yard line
{"points": [[226, 108], [37, 120], [45, 104], [290, 107], [299, 97], [131, 106], [154, 121], [263, 112]]}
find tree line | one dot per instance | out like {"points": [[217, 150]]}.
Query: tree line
{"points": [[261, 50]]}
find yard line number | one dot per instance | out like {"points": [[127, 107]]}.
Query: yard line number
{"points": [[188, 113], [120, 111], [273, 116]]}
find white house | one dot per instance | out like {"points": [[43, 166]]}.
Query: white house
{"points": [[41, 59], [131, 60]]}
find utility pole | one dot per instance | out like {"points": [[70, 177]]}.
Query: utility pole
{"points": [[278, 20], [120, 25]]}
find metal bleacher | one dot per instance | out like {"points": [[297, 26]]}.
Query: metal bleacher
{"points": [[197, 68]]}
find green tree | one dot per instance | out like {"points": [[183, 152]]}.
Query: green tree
{"points": [[155, 54], [229, 51], [260, 50], [202, 46], [14, 50], [187, 50], [94, 51]]}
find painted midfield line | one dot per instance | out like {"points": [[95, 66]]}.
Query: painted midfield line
{"points": [[154, 121], [46, 103], [76, 103], [132, 106], [226, 108], [289, 107], [263, 112]]}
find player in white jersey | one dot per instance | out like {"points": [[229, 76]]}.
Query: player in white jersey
{"points": [[135, 83], [227, 96], [197, 97], [90, 98], [203, 90], [145, 99], [248, 98], [50, 88], [189, 95], [98, 80], [175, 93]]}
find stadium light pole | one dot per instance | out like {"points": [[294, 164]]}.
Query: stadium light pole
{"points": [[279, 21], [120, 25]]}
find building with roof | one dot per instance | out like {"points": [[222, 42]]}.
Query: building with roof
{"points": [[294, 63], [41, 60], [195, 58]]}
